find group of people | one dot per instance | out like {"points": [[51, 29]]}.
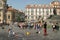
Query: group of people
{"points": [[55, 26], [11, 33], [39, 26]]}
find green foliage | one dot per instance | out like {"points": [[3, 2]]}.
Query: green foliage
{"points": [[20, 19]]}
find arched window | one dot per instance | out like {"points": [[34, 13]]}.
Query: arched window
{"points": [[8, 16]]}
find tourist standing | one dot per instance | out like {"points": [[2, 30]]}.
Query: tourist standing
{"points": [[57, 26], [45, 28], [53, 26], [38, 28]]}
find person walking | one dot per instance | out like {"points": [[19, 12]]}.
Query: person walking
{"points": [[11, 33], [45, 28]]}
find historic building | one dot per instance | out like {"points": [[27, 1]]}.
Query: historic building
{"points": [[9, 14], [2, 10], [36, 12], [13, 15]]}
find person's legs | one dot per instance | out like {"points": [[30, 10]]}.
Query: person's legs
{"points": [[45, 31], [9, 35], [38, 30]]}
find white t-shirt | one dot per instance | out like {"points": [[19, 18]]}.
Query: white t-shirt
{"points": [[53, 26]]}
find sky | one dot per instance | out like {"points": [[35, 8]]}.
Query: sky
{"points": [[21, 4]]}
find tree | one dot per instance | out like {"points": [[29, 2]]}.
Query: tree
{"points": [[18, 19]]}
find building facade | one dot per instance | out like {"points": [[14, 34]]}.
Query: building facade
{"points": [[9, 14], [19, 16], [36, 12], [13, 15], [2, 11]]}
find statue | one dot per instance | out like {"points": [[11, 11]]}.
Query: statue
{"points": [[54, 11]]}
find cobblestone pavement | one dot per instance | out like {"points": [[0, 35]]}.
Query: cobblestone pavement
{"points": [[33, 35]]}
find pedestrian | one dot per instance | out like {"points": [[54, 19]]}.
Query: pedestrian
{"points": [[11, 33], [35, 26], [57, 26], [38, 28], [45, 28], [53, 26]]}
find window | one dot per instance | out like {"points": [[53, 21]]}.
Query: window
{"points": [[47, 14], [47, 11], [32, 11], [28, 17], [28, 12], [8, 16], [39, 10], [36, 11], [43, 10], [32, 17], [50, 10]]}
